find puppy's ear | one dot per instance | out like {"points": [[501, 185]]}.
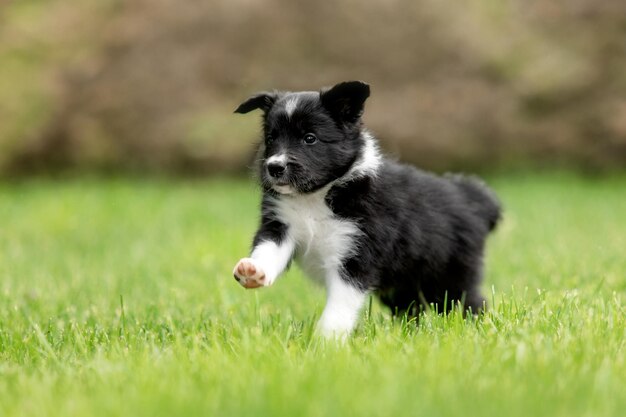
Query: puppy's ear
{"points": [[345, 100], [263, 101]]}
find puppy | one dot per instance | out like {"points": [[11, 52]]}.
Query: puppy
{"points": [[355, 221]]}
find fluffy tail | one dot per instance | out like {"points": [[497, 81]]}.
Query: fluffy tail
{"points": [[480, 198]]}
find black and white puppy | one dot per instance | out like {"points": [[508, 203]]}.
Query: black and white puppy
{"points": [[355, 221]]}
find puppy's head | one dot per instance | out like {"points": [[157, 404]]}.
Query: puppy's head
{"points": [[310, 138]]}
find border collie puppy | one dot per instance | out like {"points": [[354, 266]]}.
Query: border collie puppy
{"points": [[356, 222]]}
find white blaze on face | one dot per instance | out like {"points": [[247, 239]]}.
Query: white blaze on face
{"points": [[290, 105], [277, 159]]}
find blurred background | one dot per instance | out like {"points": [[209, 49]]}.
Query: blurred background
{"points": [[150, 85]]}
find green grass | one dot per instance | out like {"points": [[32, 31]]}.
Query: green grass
{"points": [[116, 298]]}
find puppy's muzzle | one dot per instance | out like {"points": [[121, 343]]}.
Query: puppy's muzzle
{"points": [[276, 169]]}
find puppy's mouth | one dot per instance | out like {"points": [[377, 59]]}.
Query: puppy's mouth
{"points": [[283, 187]]}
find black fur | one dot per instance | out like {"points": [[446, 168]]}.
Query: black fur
{"points": [[423, 235]]}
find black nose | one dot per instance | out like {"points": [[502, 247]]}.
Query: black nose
{"points": [[276, 169]]}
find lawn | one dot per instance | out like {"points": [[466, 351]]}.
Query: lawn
{"points": [[116, 298]]}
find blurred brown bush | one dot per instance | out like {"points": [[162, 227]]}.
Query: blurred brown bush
{"points": [[150, 84]]}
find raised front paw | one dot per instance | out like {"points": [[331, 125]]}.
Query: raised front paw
{"points": [[250, 274]]}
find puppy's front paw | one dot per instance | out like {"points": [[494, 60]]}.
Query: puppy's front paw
{"points": [[250, 274]]}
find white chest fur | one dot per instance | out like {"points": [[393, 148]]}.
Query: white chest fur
{"points": [[322, 239]]}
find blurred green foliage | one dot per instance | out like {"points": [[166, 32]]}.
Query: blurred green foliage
{"points": [[150, 85]]}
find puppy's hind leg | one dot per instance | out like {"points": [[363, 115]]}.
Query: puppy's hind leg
{"points": [[474, 302], [343, 304]]}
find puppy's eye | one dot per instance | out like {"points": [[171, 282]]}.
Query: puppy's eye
{"points": [[309, 139], [269, 137]]}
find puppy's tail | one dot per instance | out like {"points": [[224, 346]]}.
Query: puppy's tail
{"points": [[480, 198]]}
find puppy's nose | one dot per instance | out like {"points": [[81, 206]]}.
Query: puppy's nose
{"points": [[276, 169]]}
